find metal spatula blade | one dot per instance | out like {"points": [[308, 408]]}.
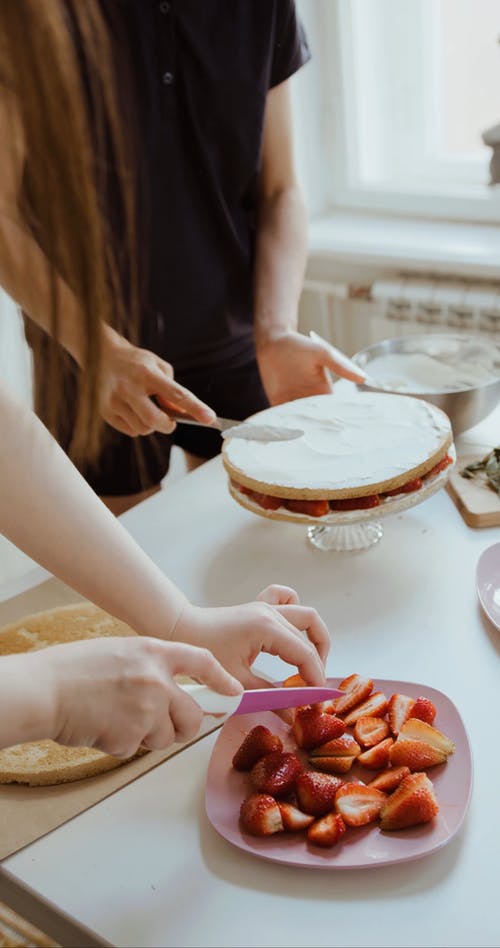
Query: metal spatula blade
{"points": [[247, 430]]}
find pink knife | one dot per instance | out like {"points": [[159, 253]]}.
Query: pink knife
{"points": [[262, 699]]}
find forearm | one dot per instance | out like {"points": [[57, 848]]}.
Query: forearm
{"points": [[27, 713], [49, 511], [281, 253]]}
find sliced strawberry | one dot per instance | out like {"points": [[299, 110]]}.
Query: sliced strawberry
{"points": [[312, 727], [417, 755], [407, 488], [258, 742], [389, 779], [375, 705], [398, 711], [266, 501], [376, 758], [424, 709], [413, 802], [359, 804], [416, 730], [343, 746], [276, 773], [355, 503], [370, 730], [333, 765], [356, 690], [260, 815], [327, 831], [312, 508], [316, 792], [294, 819], [295, 681], [440, 466]]}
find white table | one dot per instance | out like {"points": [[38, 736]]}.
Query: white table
{"points": [[145, 868]]}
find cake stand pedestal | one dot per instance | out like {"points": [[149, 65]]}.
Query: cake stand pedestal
{"points": [[345, 537]]}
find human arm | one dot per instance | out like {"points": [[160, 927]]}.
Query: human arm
{"points": [[131, 376], [291, 364]]}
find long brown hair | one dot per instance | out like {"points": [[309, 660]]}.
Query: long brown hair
{"points": [[56, 58]]}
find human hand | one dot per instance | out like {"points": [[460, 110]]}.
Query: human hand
{"points": [[275, 623], [293, 366], [131, 379], [117, 694]]}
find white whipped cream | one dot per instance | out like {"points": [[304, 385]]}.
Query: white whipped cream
{"points": [[420, 373], [350, 440]]}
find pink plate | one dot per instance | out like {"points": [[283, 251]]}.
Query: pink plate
{"points": [[488, 583], [361, 848]]}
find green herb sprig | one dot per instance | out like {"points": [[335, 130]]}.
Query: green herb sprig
{"points": [[489, 467]]}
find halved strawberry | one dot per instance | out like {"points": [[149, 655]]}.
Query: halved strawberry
{"points": [[356, 690], [398, 711], [377, 757], [276, 773], [312, 727], [333, 765], [260, 815], [327, 831], [413, 802], [316, 792], [294, 819], [343, 746], [258, 742], [313, 508], [417, 755], [389, 779], [375, 705], [359, 804], [369, 730], [295, 681], [416, 730], [424, 709]]}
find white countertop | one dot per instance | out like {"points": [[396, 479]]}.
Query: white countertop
{"points": [[144, 867]]}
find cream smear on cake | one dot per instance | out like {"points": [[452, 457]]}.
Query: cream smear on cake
{"points": [[349, 440]]}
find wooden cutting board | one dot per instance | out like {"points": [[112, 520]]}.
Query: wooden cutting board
{"points": [[478, 504]]}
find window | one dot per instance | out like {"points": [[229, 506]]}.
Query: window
{"points": [[408, 88]]}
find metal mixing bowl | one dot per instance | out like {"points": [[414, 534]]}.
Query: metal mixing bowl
{"points": [[466, 406]]}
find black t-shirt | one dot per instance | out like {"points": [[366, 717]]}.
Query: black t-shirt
{"points": [[201, 70]]}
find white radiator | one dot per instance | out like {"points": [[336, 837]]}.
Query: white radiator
{"points": [[354, 317]]}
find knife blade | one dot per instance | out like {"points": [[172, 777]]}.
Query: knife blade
{"points": [[260, 699]]}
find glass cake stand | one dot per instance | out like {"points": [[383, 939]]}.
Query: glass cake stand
{"points": [[351, 530]]}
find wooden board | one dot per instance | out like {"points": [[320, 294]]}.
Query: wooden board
{"points": [[478, 504]]}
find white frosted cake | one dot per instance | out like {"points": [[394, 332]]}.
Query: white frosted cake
{"points": [[357, 449]]}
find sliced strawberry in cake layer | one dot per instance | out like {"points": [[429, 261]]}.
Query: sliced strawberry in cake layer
{"points": [[260, 815], [311, 508], [327, 831], [359, 804], [257, 743], [412, 803]]}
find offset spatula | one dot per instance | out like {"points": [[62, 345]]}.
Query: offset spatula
{"points": [[248, 430], [262, 699]]}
